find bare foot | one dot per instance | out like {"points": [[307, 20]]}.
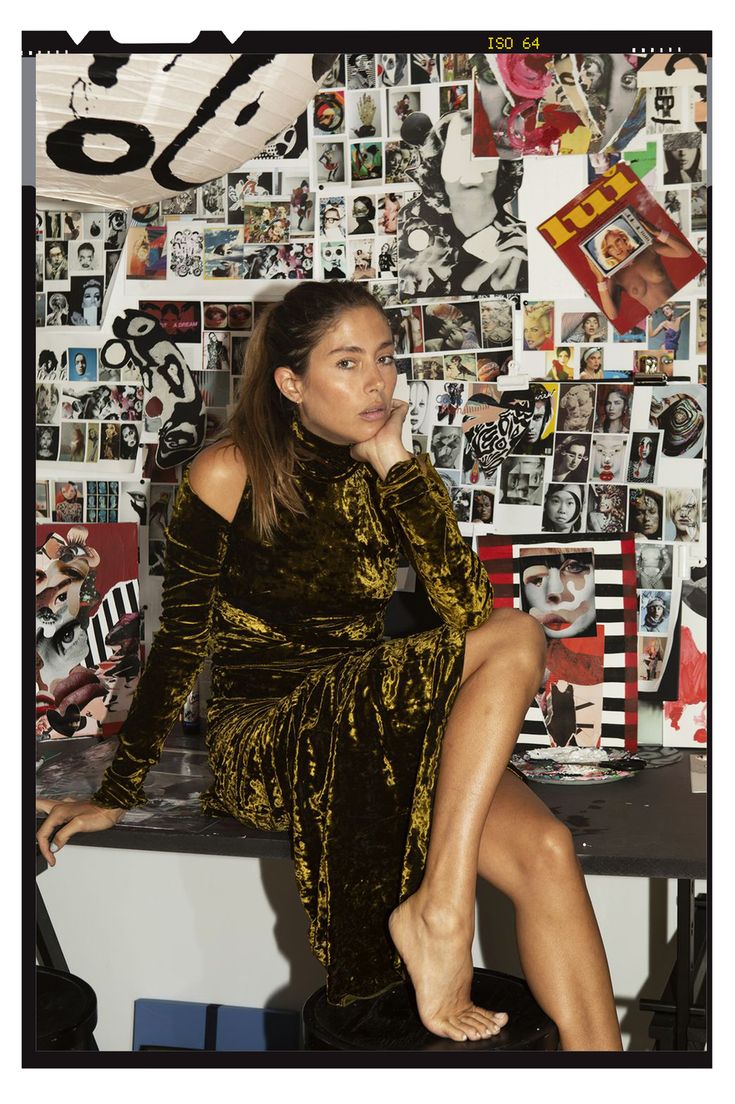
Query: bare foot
{"points": [[436, 949]]}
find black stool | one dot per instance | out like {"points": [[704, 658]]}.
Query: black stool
{"points": [[66, 1011], [390, 1021]]}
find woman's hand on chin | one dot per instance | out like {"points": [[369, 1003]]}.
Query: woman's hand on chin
{"points": [[385, 447]]}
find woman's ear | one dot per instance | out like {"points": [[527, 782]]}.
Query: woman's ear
{"points": [[288, 383]]}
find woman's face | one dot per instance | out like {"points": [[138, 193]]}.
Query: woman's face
{"points": [[346, 393], [45, 439], [685, 156], [418, 405], [644, 448], [483, 507], [590, 72], [614, 406], [646, 516], [470, 191], [574, 456], [67, 648], [560, 597], [685, 514], [618, 245], [80, 364], [561, 508], [593, 362], [534, 333], [667, 310], [591, 325], [129, 436]]}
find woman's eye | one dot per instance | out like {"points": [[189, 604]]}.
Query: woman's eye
{"points": [[345, 364], [388, 359]]}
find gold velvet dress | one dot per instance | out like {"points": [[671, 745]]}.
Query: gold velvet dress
{"points": [[317, 725]]}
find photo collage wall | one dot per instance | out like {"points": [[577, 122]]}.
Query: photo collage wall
{"points": [[535, 227]]}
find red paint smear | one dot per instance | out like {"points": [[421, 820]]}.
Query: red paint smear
{"points": [[692, 682], [580, 665]]}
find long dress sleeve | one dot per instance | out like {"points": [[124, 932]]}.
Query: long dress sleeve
{"points": [[197, 540], [456, 583]]}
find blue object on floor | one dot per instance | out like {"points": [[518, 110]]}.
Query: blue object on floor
{"points": [[189, 1025]]}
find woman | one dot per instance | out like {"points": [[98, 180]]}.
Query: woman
{"points": [[128, 441], [671, 326], [641, 466], [563, 507], [683, 156], [303, 683], [613, 414], [682, 507], [571, 459], [363, 215], [590, 364]]}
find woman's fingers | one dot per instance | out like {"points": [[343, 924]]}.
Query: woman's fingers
{"points": [[75, 816]]}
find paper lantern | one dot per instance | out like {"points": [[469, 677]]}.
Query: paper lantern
{"points": [[120, 130]]}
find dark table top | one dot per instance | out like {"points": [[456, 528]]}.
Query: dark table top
{"points": [[648, 825]]}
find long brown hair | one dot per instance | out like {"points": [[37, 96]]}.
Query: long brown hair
{"points": [[259, 426]]}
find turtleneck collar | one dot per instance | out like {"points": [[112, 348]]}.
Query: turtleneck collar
{"points": [[321, 458]]}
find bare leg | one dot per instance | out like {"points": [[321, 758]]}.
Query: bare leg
{"points": [[528, 854], [433, 929]]}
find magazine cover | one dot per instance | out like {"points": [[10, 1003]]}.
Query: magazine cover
{"points": [[583, 593], [626, 252], [87, 628]]}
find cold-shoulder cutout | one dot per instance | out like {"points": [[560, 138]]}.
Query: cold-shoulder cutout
{"points": [[218, 476]]}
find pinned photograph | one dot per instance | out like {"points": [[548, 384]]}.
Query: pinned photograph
{"points": [[655, 608], [454, 97], [560, 363], [538, 439], [456, 67], [265, 221], [361, 217], [646, 513], [42, 500], [72, 443], [592, 363], [366, 161], [461, 234], [392, 69], [571, 458], [82, 364], [683, 515], [68, 502], [679, 412], [608, 458], [116, 228], [483, 505], [47, 442], [683, 158], [606, 508], [576, 407], [446, 446], [53, 225], [47, 404], [334, 260], [460, 366], [427, 368], [490, 366], [360, 70], [450, 326], [364, 115], [329, 112], [301, 212], [109, 441], [612, 407], [85, 256], [56, 267], [330, 162], [538, 325], [387, 253], [643, 457], [558, 590], [406, 328], [668, 329], [212, 197], [651, 652], [653, 362], [653, 566], [92, 453], [522, 480], [216, 352], [563, 508], [182, 320], [332, 217], [223, 253], [146, 253], [461, 498], [183, 203], [335, 76], [185, 253], [496, 319], [590, 326], [424, 68]]}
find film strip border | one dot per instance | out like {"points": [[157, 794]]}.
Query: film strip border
{"points": [[616, 604]]}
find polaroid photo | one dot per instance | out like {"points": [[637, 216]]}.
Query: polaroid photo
{"points": [[616, 244]]}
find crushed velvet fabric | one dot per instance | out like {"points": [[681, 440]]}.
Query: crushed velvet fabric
{"points": [[317, 725]]}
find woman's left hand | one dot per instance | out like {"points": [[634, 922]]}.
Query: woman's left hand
{"points": [[385, 448]]}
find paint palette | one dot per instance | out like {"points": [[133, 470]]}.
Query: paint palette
{"points": [[576, 766]]}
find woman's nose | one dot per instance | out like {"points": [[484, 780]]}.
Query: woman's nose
{"points": [[554, 586]]}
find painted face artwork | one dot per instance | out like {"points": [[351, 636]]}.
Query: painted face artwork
{"points": [[418, 405], [558, 590], [609, 454]]}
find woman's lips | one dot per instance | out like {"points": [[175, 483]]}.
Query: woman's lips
{"points": [[555, 621], [373, 414]]}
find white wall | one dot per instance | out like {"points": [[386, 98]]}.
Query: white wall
{"points": [[225, 930]]}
